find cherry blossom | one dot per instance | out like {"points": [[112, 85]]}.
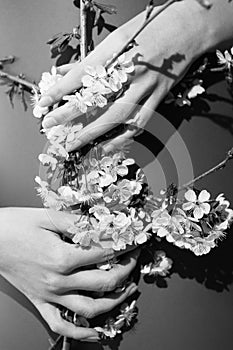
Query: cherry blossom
{"points": [[198, 204], [225, 59]]}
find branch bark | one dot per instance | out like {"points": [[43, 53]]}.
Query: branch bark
{"points": [[18, 80]]}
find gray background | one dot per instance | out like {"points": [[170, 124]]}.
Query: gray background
{"points": [[186, 315]]}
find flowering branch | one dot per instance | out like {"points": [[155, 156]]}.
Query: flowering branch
{"points": [[219, 166]]}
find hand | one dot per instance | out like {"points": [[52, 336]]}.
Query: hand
{"points": [[50, 271], [165, 49]]}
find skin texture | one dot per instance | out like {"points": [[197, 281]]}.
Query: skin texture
{"points": [[51, 272], [159, 64]]}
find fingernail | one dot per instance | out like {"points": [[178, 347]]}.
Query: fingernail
{"points": [[133, 289], [45, 101], [48, 122], [91, 339]]}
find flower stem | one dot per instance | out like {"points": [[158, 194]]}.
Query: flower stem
{"points": [[18, 80], [217, 167]]}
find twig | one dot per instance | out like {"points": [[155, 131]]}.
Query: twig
{"points": [[58, 340], [8, 59], [219, 166], [20, 81]]}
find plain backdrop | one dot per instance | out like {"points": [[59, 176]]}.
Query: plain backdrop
{"points": [[186, 314]]}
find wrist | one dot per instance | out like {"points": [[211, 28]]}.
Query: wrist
{"points": [[194, 27]]}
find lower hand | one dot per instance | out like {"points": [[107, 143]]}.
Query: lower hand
{"points": [[49, 271]]}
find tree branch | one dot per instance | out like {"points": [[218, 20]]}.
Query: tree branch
{"points": [[217, 167], [18, 80]]}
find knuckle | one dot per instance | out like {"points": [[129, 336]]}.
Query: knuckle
{"points": [[53, 282], [111, 284], [61, 260], [89, 310]]}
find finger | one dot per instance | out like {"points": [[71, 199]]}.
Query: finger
{"points": [[76, 256], [99, 280], [52, 316], [61, 115], [65, 68], [139, 119], [89, 307], [116, 113]]}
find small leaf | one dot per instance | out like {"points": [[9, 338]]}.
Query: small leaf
{"points": [[109, 27], [54, 38], [61, 43], [110, 9], [23, 99], [11, 93]]}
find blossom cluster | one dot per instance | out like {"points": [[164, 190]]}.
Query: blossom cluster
{"points": [[196, 224], [47, 81], [101, 189], [99, 86]]}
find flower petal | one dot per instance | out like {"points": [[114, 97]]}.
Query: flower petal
{"points": [[191, 196], [205, 207], [204, 196], [188, 206], [162, 232], [198, 212]]}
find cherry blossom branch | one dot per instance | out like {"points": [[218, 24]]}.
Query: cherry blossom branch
{"points": [[217, 167], [83, 53]]}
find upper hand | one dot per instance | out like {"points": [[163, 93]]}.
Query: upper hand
{"points": [[164, 51]]}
